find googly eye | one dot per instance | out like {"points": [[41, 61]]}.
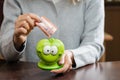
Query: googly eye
{"points": [[54, 50], [47, 50]]}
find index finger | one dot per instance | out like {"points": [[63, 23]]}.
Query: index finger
{"points": [[61, 70], [34, 16]]}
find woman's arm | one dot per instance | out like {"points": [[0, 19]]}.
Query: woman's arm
{"points": [[91, 47], [11, 11]]}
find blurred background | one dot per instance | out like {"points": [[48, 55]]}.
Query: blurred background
{"points": [[112, 29]]}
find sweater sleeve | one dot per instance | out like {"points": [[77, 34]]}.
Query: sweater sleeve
{"points": [[11, 10], [91, 47]]}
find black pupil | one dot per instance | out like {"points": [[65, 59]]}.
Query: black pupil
{"points": [[47, 50]]}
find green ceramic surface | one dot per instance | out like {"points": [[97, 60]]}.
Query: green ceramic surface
{"points": [[49, 51]]}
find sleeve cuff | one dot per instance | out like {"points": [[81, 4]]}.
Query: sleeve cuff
{"points": [[22, 48], [83, 56]]}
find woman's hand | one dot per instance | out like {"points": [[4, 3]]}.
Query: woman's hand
{"points": [[23, 26], [67, 60]]}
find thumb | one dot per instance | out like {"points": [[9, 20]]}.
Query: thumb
{"points": [[62, 59]]}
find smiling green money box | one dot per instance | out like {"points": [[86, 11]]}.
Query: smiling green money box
{"points": [[49, 51]]}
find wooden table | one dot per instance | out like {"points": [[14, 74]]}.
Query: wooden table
{"points": [[29, 71]]}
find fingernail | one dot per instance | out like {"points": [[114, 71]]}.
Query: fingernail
{"points": [[61, 62]]}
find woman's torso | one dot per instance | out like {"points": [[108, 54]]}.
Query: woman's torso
{"points": [[69, 19]]}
